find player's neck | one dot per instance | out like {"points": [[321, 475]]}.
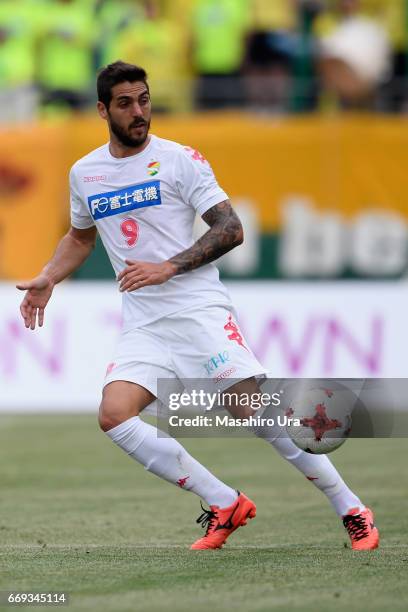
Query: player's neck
{"points": [[117, 149]]}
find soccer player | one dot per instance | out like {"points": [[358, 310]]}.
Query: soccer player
{"points": [[142, 193]]}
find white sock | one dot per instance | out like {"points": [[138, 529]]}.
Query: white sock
{"points": [[165, 457], [319, 470]]}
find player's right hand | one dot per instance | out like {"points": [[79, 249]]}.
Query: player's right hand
{"points": [[39, 291]]}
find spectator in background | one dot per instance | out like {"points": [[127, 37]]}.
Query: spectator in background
{"points": [[354, 53], [269, 55], [160, 44], [65, 54], [179, 10], [112, 17], [218, 29], [19, 27], [393, 15]]}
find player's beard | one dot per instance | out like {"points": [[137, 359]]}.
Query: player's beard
{"points": [[124, 136]]}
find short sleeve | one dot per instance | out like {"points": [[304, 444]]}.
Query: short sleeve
{"points": [[195, 181], [80, 215]]}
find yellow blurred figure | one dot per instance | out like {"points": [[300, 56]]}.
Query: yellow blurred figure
{"points": [[158, 44], [65, 53], [17, 60], [179, 11], [269, 54], [113, 16], [391, 14], [267, 15], [19, 30], [354, 51], [218, 30]]}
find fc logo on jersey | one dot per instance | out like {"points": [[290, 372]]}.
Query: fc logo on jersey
{"points": [[115, 202], [153, 168]]}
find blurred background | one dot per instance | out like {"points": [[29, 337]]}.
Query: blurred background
{"points": [[301, 108]]}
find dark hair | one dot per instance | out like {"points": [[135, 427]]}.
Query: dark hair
{"points": [[115, 73]]}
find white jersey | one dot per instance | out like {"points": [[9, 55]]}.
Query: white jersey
{"points": [[144, 207]]}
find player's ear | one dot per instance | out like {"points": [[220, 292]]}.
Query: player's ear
{"points": [[102, 110]]}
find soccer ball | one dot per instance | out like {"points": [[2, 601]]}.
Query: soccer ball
{"points": [[319, 419]]}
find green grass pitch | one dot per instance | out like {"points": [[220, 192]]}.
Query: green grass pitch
{"points": [[77, 515]]}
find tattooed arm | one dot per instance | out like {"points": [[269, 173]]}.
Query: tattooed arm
{"points": [[224, 234]]}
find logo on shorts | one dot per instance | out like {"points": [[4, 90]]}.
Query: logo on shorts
{"points": [[235, 334], [215, 362], [225, 374], [153, 168]]}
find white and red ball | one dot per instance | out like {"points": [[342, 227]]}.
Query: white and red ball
{"points": [[319, 419]]}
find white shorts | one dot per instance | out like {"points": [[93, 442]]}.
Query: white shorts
{"points": [[203, 342]]}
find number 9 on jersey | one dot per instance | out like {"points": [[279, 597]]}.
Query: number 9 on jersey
{"points": [[130, 230]]}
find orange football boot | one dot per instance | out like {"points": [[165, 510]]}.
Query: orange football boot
{"points": [[361, 529], [221, 522]]}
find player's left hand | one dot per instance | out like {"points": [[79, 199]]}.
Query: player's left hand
{"points": [[139, 274]]}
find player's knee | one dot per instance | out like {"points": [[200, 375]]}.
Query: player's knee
{"points": [[109, 417], [121, 401], [113, 412]]}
